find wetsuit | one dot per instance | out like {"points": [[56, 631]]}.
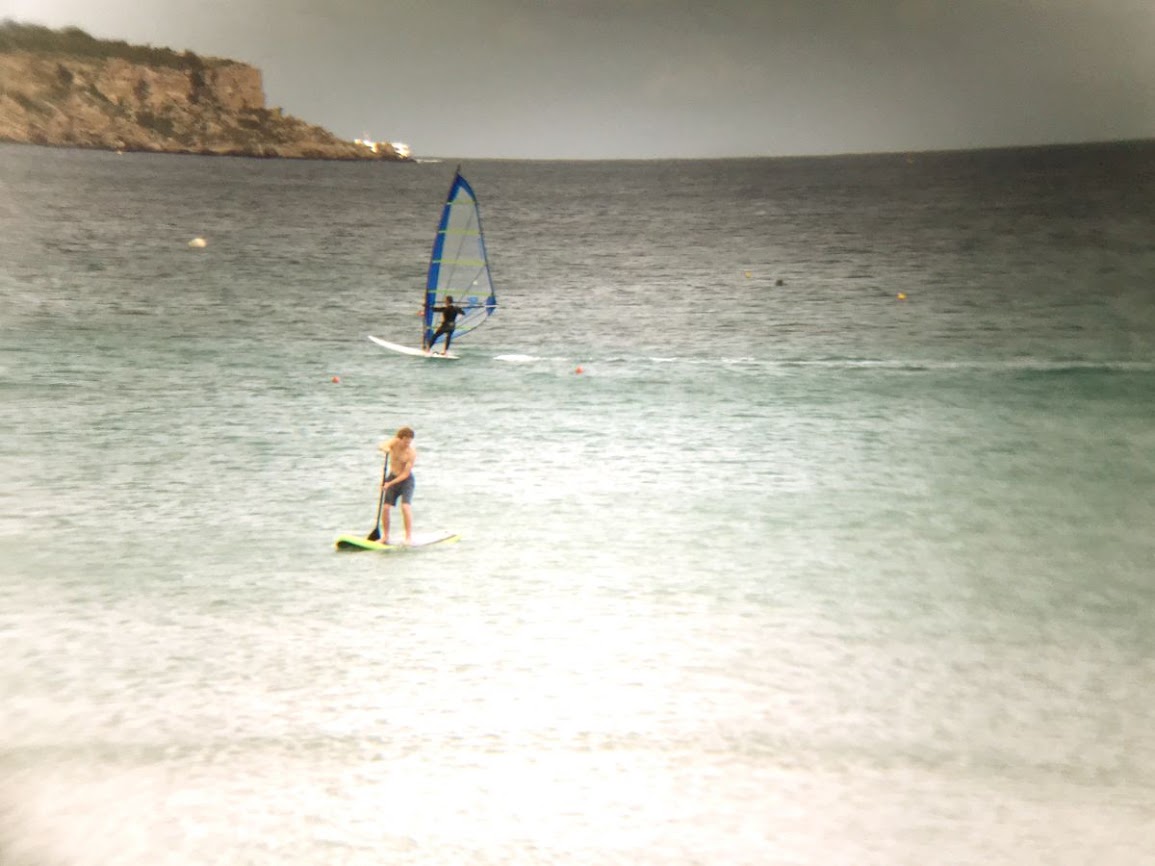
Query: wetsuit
{"points": [[449, 314]]}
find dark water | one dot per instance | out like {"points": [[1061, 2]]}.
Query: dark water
{"points": [[837, 549]]}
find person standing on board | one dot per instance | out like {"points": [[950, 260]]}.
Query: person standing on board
{"points": [[449, 313], [400, 482]]}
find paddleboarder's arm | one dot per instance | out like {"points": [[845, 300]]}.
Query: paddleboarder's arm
{"points": [[403, 462]]}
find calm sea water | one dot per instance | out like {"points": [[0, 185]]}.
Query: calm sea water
{"points": [[837, 550]]}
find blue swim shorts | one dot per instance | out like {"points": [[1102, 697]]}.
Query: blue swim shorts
{"points": [[402, 491]]}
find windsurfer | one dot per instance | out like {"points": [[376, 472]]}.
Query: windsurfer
{"points": [[399, 484], [449, 313]]}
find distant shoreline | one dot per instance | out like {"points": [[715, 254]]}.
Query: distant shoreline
{"points": [[64, 88]]}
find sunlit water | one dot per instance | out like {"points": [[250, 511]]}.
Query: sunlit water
{"points": [[794, 570]]}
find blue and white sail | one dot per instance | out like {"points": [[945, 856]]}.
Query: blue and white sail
{"points": [[459, 266]]}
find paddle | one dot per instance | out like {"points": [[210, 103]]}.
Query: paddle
{"points": [[376, 533]]}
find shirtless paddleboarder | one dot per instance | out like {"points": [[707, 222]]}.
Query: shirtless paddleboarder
{"points": [[400, 482]]}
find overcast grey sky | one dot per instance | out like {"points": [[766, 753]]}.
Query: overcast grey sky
{"points": [[659, 78]]}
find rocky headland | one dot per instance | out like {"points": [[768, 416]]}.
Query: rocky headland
{"points": [[65, 88]]}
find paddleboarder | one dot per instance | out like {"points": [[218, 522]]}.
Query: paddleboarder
{"points": [[400, 482]]}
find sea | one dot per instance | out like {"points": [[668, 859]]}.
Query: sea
{"points": [[805, 507]]}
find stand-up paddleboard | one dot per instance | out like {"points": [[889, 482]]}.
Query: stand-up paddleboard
{"points": [[410, 350], [420, 539]]}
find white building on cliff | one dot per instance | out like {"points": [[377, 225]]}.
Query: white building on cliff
{"points": [[399, 147]]}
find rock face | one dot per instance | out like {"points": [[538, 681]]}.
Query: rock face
{"points": [[161, 102]]}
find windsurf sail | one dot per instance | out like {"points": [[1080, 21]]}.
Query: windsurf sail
{"points": [[459, 266]]}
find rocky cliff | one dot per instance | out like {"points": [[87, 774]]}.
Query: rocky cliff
{"points": [[65, 88]]}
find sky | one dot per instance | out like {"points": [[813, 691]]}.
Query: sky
{"points": [[643, 79]]}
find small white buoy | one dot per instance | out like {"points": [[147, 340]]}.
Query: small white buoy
{"points": [[198, 243]]}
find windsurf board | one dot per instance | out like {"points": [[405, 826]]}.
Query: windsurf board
{"points": [[410, 350]]}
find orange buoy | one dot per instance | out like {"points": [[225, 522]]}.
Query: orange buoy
{"points": [[336, 380]]}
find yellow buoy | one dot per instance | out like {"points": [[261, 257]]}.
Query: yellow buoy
{"points": [[198, 243]]}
